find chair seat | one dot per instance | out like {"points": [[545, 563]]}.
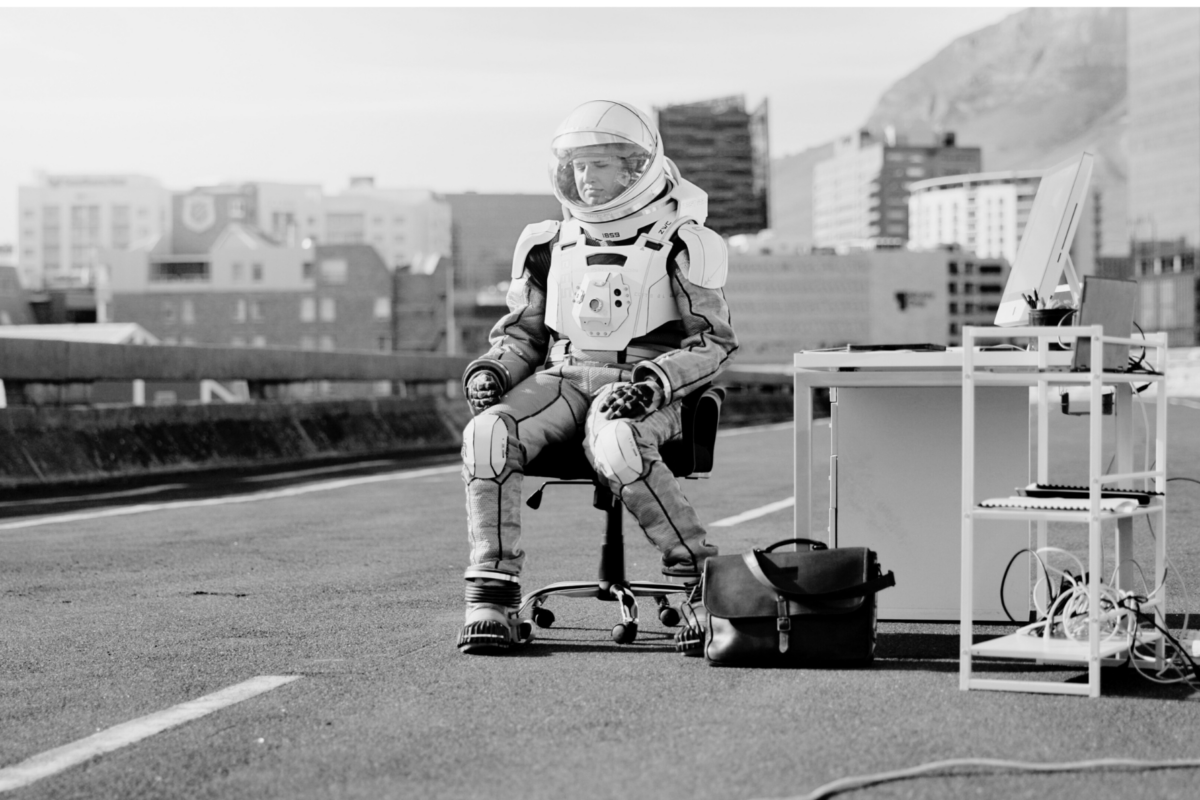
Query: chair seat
{"points": [[691, 453]]}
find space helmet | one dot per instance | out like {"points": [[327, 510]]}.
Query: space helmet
{"points": [[609, 132]]}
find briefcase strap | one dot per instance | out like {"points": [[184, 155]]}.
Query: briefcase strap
{"points": [[772, 577]]}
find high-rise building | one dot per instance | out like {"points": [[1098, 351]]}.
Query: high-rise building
{"points": [[1164, 168], [723, 149], [64, 221], [860, 193]]}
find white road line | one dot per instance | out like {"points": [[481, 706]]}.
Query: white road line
{"points": [[276, 476], [60, 758], [88, 497], [273, 494], [761, 511]]}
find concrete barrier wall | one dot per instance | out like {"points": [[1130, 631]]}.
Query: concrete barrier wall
{"points": [[61, 446]]}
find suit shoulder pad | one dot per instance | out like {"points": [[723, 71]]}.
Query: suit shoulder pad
{"points": [[708, 259], [531, 237]]}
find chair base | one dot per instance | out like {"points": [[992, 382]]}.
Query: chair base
{"points": [[625, 592]]}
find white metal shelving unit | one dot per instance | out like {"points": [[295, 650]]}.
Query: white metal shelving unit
{"points": [[1098, 646]]}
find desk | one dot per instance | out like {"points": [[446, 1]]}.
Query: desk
{"points": [[895, 473]]}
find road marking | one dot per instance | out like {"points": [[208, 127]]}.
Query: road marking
{"points": [[277, 476], [255, 497], [761, 511], [88, 497], [53, 761]]}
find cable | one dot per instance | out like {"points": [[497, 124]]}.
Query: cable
{"points": [[862, 781]]}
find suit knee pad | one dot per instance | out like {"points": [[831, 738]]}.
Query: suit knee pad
{"points": [[485, 445], [617, 453]]}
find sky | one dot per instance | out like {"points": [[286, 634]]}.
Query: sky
{"points": [[449, 99]]}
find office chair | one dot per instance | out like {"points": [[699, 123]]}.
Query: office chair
{"points": [[690, 456]]}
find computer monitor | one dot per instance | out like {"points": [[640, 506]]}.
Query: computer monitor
{"points": [[1044, 253]]}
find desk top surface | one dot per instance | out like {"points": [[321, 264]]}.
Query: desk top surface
{"points": [[949, 359]]}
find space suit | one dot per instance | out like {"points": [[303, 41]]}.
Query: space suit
{"points": [[616, 313]]}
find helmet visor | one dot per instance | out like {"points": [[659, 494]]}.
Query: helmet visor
{"points": [[592, 170]]}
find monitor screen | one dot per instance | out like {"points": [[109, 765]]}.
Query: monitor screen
{"points": [[1045, 244]]}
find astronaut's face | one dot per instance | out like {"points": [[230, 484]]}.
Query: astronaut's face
{"points": [[599, 179]]}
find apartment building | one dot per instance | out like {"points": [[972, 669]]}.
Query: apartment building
{"points": [[65, 221], [861, 192]]}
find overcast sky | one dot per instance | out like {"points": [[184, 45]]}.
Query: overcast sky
{"points": [[449, 99]]}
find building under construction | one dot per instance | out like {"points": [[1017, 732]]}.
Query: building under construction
{"points": [[723, 149]]}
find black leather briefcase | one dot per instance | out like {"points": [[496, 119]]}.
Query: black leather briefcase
{"points": [[807, 607]]}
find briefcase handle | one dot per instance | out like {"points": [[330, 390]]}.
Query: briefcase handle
{"points": [[772, 577], [813, 542]]}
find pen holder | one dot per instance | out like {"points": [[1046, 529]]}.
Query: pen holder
{"points": [[1049, 318]]}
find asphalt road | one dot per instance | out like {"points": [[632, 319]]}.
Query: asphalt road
{"points": [[118, 609]]}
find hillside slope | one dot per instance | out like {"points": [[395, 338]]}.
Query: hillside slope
{"points": [[1038, 87]]}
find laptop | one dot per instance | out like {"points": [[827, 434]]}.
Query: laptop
{"points": [[1109, 302]]}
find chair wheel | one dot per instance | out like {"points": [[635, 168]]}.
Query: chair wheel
{"points": [[543, 617], [668, 616], [624, 632]]}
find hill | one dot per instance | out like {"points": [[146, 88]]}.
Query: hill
{"points": [[1032, 90]]}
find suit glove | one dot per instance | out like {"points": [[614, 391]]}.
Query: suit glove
{"points": [[633, 400], [483, 390]]}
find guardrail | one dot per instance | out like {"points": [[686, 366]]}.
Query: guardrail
{"points": [[38, 361]]}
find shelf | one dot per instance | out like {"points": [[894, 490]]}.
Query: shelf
{"points": [[984, 378], [1022, 645], [1053, 515]]}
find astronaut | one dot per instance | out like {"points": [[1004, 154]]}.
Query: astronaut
{"points": [[622, 304]]}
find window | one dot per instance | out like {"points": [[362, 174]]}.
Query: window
{"points": [[328, 309], [345, 229], [85, 234], [954, 308], [327, 343], [333, 270], [238, 341], [187, 311], [256, 273], [308, 309], [168, 310], [383, 308], [308, 343], [953, 267], [239, 311], [258, 341], [255, 309], [306, 271], [237, 208], [179, 271], [952, 288], [120, 227]]}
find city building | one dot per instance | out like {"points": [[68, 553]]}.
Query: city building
{"points": [[861, 192], [789, 302], [791, 197], [406, 226], [64, 221], [217, 279], [985, 214], [484, 233], [1164, 168], [723, 149], [14, 303]]}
